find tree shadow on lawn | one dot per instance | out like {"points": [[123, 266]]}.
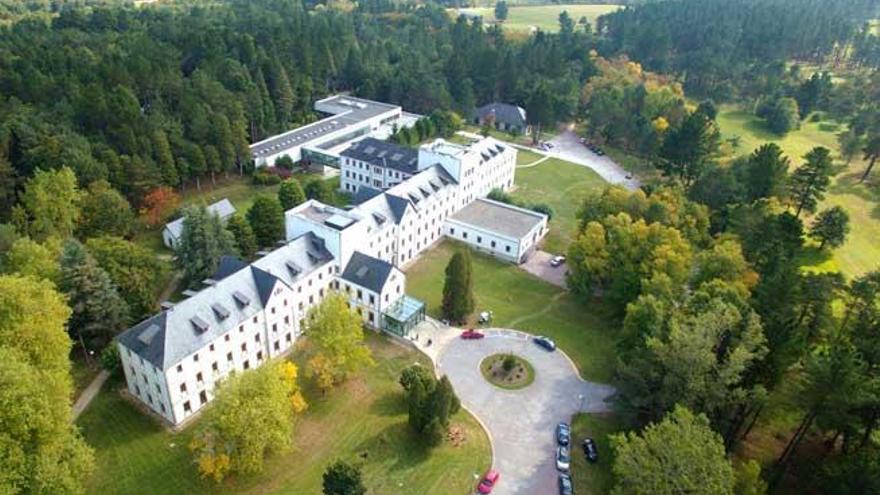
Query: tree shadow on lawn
{"points": [[389, 404], [811, 255], [848, 182], [396, 446]]}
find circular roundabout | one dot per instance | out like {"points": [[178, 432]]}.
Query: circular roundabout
{"points": [[507, 371]]}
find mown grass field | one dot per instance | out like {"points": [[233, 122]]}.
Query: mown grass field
{"points": [[543, 17], [562, 185], [522, 301], [861, 253], [363, 421], [593, 479]]}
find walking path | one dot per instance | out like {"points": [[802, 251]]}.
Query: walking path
{"points": [[85, 398]]}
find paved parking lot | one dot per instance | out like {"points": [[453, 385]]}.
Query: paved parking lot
{"points": [[567, 147], [538, 265], [521, 423]]}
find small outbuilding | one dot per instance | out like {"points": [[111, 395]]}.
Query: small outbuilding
{"points": [[172, 231], [503, 117], [505, 231]]}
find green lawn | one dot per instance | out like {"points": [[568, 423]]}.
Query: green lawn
{"points": [[562, 185], [544, 17], [861, 253], [524, 302], [526, 157], [593, 479], [364, 421]]}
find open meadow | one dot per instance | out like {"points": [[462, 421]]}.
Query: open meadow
{"points": [[543, 17]]}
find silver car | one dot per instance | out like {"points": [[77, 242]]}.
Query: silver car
{"points": [[563, 459]]}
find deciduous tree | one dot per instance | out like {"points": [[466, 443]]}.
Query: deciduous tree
{"points": [[159, 204], [337, 334], [104, 212], [252, 416], [51, 200], [266, 218], [41, 261], [137, 272], [680, 454]]}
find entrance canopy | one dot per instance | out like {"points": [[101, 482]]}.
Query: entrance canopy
{"points": [[404, 315]]}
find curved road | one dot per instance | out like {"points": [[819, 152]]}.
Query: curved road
{"points": [[521, 423]]}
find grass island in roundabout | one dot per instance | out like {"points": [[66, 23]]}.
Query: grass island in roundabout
{"points": [[507, 371]]}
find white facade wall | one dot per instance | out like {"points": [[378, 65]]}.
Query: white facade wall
{"points": [[369, 304], [356, 173], [186, 386], [503, 247]]}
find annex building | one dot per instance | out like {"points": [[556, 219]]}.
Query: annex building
{"points": [[248, 313]]}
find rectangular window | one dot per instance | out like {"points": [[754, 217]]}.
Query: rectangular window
{"points": [[183, 387], [247, 364], [274, 327], [214, 366], [479, 239], [493, 244], [372, 299], [226, 338], [507, 248], [203, 397], [199, 376], [229, 356], [257, 337], [244, 347], [259, 356], [187, 407], [211, 347], [179, 368], [287, 337]]}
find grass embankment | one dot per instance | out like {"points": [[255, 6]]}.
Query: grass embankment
{"points": [[562, 185], [364, 421], [861, 252]]}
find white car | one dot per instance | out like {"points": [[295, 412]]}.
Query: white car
{"points": [[557, 261]]}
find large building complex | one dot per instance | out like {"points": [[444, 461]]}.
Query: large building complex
{"points": [[349, 118], [248, 313]]}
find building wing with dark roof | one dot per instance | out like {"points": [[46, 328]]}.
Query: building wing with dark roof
{"points": [[511, 116], [368, 272], [384, 154], [173, 230]]}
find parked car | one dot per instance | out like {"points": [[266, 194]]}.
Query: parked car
{"points": [[490, 479], [545, 342], [485, 317], [563, 434], [599, 151], [563, 459], [629, 176], [471, 334], [557, 261], [566, 487], [590, 450]]}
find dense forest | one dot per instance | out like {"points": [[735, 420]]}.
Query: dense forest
{"points": [[108, 110]]}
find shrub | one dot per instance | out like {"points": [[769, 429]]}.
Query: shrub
{"points": [[265, 178], [110, 360], [508, 363]]}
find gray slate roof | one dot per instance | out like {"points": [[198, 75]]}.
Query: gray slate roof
{"points": [[500, 218], [166, 338], [366, 271], [384, 154], [503, 112], [222, 209]]}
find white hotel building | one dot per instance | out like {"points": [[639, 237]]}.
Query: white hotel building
{"points": [[248, 313]]}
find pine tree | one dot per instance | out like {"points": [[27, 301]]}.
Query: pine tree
{"points": [[809, 182], [458, 298], [203, 241], [98, 311], [831, 227], [342, 478], [164, 159], [245, 240]]}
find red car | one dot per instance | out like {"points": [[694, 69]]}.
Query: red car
{"points": [[471, 334], [489, 481]]}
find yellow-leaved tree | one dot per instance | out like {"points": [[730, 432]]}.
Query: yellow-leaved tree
{"points": [[337, 334], [253, 415]]}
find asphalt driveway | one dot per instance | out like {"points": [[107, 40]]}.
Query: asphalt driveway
{"points": [[538, 265], [567, 147], [521, 423]]}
